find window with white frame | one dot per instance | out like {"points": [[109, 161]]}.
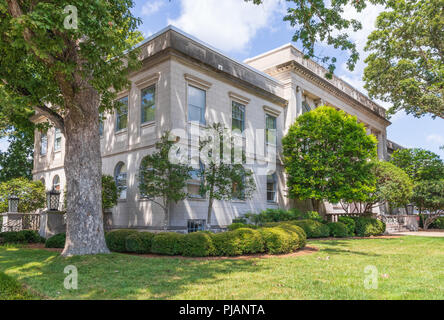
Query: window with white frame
{"points": [[56, 183], [196, 105], [271, 187], [120, 173], [57, 139], [43, 143], [270, 129], [147, 104], [196, 181], [237, 116], [122, 114]]}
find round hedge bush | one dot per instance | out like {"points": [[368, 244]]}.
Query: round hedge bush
{"points": [[250, 240], [226, 244], [23, 236], [238, 225], [139, 242], [349, 223], [293, 228], [313, 229], [168, 243], [198, 244], [366, 227], [338, 229], [278, 240], [56, 241], [116, 239]]}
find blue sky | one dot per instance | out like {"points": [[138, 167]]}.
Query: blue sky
{"points": [[242, 30]]}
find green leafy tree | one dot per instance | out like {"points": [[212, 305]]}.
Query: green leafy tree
{"points": [[110, 194], [162, 178], [31, 194], [393, 186], [61, 58], [419, 164], [428, 196], [221, 179], [326, 157], [406, 63], [17, 160]]}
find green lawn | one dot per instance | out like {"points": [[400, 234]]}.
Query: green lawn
{"points": [[408, 268]]}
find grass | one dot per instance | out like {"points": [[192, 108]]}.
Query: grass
{"points": [[408, 268], [11, 289]]}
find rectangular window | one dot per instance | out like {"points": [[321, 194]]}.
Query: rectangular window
{"points": [[122, 114], [196, 105], [195, 225], [147, 104], [270, 129], [194, 184], [237, 116], [271, 187], [57, 139], [101, 126], [43, 143]]}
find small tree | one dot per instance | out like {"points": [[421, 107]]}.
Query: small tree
{"points": [[428, 196], [393, 186], [161, 178], [31, 194], [221, 180], [419, 164], [326, 157], [109, 192]]}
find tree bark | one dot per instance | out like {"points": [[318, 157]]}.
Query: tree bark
{"points": [[166, 220], [210, 209], [83, 169]]}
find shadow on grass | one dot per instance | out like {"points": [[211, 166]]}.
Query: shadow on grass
{"points": [[117, 276]]}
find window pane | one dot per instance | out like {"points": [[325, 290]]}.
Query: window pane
{"points": [[122, 115], [196, 105], [238, 116], [57, 139], [43, 143], [270, 129], [120, 178], [271, 187], [148, 104]]}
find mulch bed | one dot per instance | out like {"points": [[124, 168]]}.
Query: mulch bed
{"points": [[300, 252]]}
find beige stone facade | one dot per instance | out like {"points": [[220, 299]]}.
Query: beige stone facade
{"points": [[277, 84]]}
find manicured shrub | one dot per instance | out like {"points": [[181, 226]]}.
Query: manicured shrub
{"points": [[313, 215], [116, 239], [312, 228], [23, 236], [366, 227], [337, 229], [56, 241], [168, 243], [226, 244], [250, 240], [139, 242], [438, 223], [239, 220], [349, 223], [294, 228], [198, 244], [239, 225], [277, 240]]}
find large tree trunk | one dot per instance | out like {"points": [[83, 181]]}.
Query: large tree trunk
{"points": [[210, 209], [83, 169]]}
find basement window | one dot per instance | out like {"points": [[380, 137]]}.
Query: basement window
{"points": [[195, 225]]}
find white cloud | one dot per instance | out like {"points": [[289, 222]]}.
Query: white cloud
{"points": [[228, 25], [152, 7], [435, 138]]}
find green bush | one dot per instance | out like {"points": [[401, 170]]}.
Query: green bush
{"points": [[198, 244], [277, 240], [438, 223], [168, 243], [294, 228], [23, 236], [56, 241], [226, 244], [239, 220], [312, 228], [238, 225], [313, 215], [139, 242], [116, 239], [31, 194], [338, 229], [366, 227], [250, 240], [349, 223], [279, 215]]}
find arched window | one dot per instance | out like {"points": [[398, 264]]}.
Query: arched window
{"points": [[56, 183], [120, 177]]}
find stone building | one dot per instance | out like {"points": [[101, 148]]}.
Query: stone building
{"points": [[183, 80]]}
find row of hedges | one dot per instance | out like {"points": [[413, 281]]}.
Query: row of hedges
{"points": [[277, 215], [23, 236], [273, 240]]}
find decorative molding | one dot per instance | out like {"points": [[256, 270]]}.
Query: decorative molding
{"points": [[205, 85], [148, 80], [238, 98], [271, 111]]}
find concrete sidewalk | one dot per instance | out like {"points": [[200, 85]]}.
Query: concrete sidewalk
{"points": [[421, 233]]}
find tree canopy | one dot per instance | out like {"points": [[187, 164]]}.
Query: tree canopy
{"points": [[406, 61], [326, 157]]}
